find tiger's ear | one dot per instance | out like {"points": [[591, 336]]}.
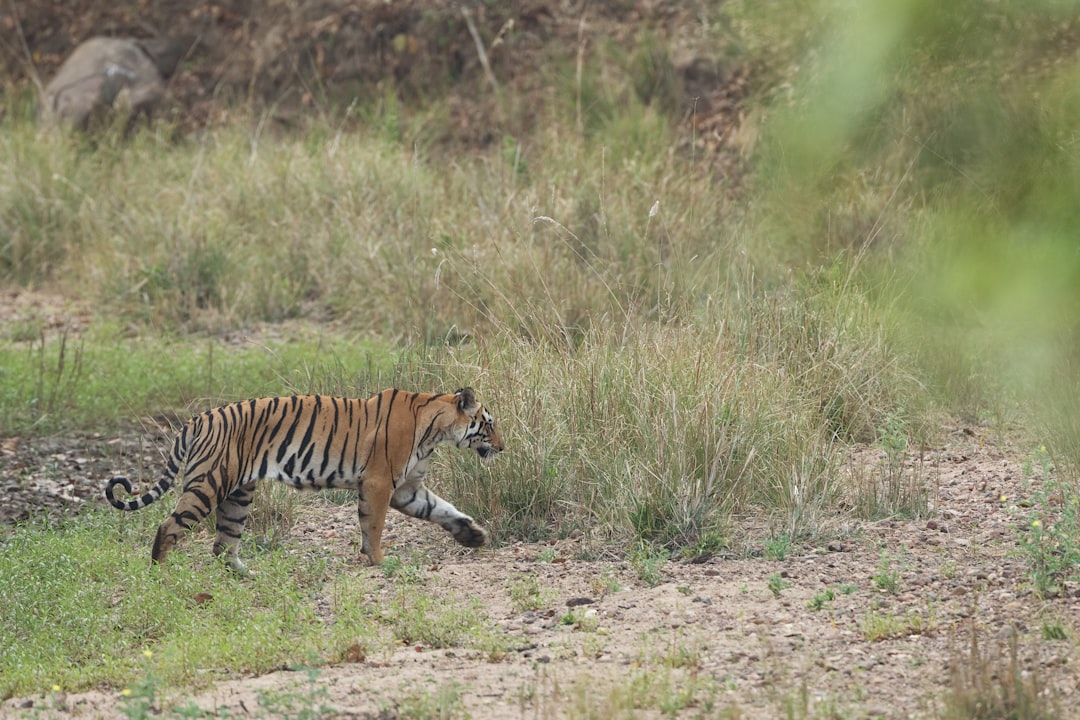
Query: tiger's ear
{"points": [[467, 401]]}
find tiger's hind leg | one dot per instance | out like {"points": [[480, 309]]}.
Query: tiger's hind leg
{"points": [[196, 502], [417, 501], [231, 515]]}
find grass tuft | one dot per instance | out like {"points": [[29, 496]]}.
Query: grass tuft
{"points": [[995, 683]]}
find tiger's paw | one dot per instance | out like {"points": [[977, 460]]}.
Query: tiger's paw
{"points": [[238, 568], [468, 533]]}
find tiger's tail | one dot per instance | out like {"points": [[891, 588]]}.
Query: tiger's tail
{"points": [[172, 468]]}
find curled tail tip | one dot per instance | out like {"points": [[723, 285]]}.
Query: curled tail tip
{"points": [[110, 489]]}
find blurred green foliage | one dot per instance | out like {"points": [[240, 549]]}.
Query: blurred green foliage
{"points": [[934, 148]]}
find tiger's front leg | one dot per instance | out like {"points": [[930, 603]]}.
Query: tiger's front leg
{"points": [[373, 500], [417, 501]]}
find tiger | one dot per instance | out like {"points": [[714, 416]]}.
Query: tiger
{"points": [[380, 446]]}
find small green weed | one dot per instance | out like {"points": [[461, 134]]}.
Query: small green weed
{"points": [[777, 584], [886, 578], [648, 561], [800, 704], [897, 487], [273, 513], [445, 703], [421, 619], [1041, 459], [893, 436], [526, 594], [681, 655], [707, 546], [877, 625], [1052, 629], [138, 703], [776, 548], [582, 620], [605, 583], [820, 599], [547, 555], [1050, 538], [656, 687], [409, 572]]}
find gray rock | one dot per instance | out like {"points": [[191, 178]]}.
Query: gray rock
{"points": [[111, 75]]}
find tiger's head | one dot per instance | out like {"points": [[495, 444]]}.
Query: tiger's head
{"points": [[480, 435]]}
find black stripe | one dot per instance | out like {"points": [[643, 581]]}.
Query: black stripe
{"points": [[306, 459], [283, 447], [386, 430], [201, 495], [311, 427], [329, 440], [269, 436], [428, 431], [409, 501], [240, 433], [187, 519]]}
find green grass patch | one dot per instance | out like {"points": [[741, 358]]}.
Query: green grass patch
{"points": [[877, 624], [196, 620], [104, 379], [440, 703], [422, 619]]}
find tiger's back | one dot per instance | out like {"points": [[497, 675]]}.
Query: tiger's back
{"points": [[308, 441], [380, 446]]}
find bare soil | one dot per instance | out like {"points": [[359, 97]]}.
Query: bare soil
{"points": [[712, 624]]}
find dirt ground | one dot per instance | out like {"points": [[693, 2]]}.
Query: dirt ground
{"points": [[715, 626]]}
